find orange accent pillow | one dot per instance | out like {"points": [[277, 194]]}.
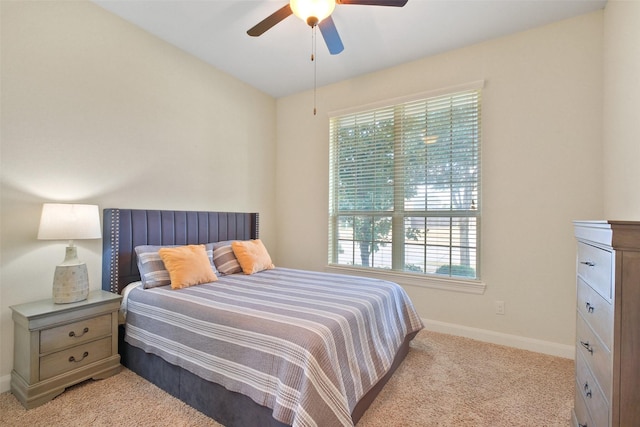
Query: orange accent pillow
{"points": [[187, 265], [252, 256]]}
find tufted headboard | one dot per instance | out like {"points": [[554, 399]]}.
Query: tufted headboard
{"points": [[124, 229]]}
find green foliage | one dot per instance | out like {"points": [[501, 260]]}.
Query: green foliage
{"points": [[456, 270], [413, 268]]}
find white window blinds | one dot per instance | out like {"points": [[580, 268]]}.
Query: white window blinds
{"points": [[404, 186]]}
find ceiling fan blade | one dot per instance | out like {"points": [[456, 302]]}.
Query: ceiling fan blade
{"points": [[270, 21], [394, 3], [330, 35]]}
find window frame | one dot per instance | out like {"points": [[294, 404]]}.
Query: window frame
{"points": [[439, 281]]}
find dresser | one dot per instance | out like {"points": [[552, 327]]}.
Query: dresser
{"points": [[607, 324], [58, 345]]}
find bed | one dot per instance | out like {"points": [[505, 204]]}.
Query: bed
{"points": [[283, 347]]}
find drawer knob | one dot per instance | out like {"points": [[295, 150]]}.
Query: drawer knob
{"points": [[73, 334], [586, 345], [73, 359], [589, 307], [588, 263]]}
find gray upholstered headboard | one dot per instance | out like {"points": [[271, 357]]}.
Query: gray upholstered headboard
{"points": [[124, 229]]}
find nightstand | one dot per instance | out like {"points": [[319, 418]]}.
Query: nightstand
{"points": [[58, 345]]}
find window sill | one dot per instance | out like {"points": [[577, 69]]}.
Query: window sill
{"points": [[420, 280]]}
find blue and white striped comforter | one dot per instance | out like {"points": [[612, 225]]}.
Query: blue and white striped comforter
{"points": [[308, 345]]}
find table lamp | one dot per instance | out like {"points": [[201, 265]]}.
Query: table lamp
{"points": [[70, 222]]}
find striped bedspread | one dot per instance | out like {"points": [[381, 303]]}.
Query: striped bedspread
{"points": [[308, 345]]}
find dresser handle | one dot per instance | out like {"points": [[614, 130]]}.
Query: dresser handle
{"points": [[73, 359], [587, 390], [73, 334], [588, 263], [587, 346], [590, 308]]}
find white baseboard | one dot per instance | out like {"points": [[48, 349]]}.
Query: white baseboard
{"points": [[523, 343], [5, 383]]}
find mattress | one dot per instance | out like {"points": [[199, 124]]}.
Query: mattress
{"points": [[308, 345]]}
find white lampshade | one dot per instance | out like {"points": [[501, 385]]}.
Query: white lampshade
{"points": [[69, 222], [317, 10]]}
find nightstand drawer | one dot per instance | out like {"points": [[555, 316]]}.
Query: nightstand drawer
{"points": [[595, 354], [597, 312], [593, 397], [74, 357], [74, 333], [595, 267]]}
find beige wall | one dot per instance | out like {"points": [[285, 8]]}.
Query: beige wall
{"points": [[96, 110], [541, 169], [621, 136]]}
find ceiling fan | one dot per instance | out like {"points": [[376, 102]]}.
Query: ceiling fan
{"points": [[317, 12]]}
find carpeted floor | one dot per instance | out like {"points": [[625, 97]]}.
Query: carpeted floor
{"points": [[444, 381]]}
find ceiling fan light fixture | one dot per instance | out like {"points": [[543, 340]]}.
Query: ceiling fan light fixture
{"points": [[312, 11]]}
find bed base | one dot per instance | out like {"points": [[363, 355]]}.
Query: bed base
{"points": [[226, 407]]}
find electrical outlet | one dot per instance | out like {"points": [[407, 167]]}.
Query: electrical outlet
{"points": [[500, 307]]}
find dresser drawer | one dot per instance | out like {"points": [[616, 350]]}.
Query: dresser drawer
{"points": [[595, 267], [74, 333], [580, 411], [74, 357], [594, 399], [595, 354], [597, 312]]}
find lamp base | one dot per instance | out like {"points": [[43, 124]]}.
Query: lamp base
{"points": [[71, 280]]}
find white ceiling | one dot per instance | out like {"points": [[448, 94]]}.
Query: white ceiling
{"points": [[278, 62]]}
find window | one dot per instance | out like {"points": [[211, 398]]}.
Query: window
{"points": [[405, 188]]}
